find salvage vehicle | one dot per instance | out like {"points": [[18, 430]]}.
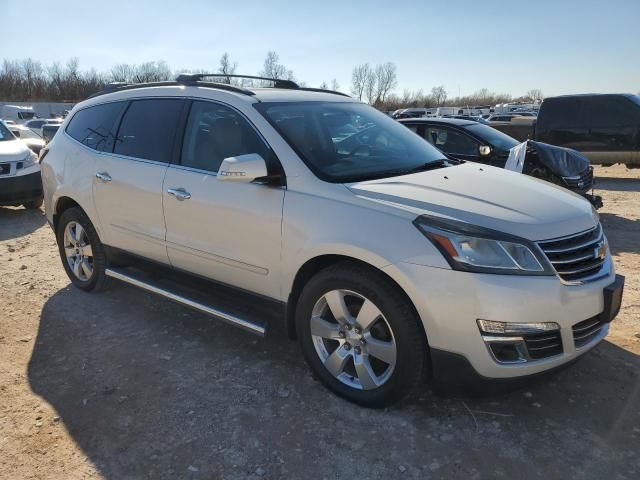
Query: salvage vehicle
{"points": [[20, 182], [389, 262], [604, 127], [468, 140]]}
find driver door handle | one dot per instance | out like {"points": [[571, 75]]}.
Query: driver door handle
{"points": [[104, 177], [179, 193]]}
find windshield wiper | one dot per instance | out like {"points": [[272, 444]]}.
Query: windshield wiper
{"points": [[442, 163]]}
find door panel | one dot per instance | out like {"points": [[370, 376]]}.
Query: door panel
{"points": [[128, 183], [226, 231], [130, 205]]}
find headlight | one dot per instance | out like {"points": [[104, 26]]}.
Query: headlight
{"points": [[476, 249], [29, 160]]}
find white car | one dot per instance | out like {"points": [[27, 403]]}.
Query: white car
{"points": [[388, 262], [20, 182]]}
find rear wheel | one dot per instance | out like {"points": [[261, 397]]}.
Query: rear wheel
{"points": [[360, 335], [83, 255]]}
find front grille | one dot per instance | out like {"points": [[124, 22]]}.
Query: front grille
{"points": [[586, 331], [582, 182], [543, 345], [578, 256], [5, 168]]}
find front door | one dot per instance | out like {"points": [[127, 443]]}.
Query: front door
{"points": [[128, 183], [226, 231]]}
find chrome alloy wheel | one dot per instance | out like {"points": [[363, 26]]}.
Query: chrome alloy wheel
{"points": [[78, 252], [353, 339]]}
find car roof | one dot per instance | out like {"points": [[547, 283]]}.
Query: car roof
{"points": [[592, 95], [459, 122]]}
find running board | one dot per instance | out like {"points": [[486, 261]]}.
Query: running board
{"points": [[145, 284]]}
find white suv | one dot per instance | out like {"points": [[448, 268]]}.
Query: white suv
{"points": [[389, 262]]}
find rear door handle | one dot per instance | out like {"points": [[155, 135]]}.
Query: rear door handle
{"points": [[179, 193], [104, 177]]}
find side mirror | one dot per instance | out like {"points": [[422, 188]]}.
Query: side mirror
{"points": [[243, 168], [484, 150]]}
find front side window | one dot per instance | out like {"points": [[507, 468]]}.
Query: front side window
{"points": [[347, 142], [451, 141], [95, 126], [494, 137], [147, 129], [215, 132], [613, 111]]}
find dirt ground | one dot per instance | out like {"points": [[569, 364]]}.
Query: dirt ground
{"points": [[126, 385]]}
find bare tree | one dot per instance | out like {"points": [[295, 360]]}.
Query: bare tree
{"points": [[227, 67], [535, 94], [439, 95], [386, 80], [274, 69], [324, 86], [335, 86], [122, 72], [359, 78]]}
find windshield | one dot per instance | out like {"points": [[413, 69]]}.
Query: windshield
{"points": [[492, 136], [5, 134], [26, 133], [348, 142]]}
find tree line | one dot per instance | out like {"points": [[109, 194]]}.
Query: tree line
{"points": [[29, 80]]}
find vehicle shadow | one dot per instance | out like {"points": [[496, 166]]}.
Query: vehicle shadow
{"points": [[18, 222], [623, 233], [614, 184], [148, 389]]}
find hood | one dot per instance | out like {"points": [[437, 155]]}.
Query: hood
{"points": [[12, 150], [486, 196], [564, 162]]}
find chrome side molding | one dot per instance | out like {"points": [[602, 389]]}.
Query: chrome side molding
{"points": [[207, 309]]}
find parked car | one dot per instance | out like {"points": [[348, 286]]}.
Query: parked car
{"points": [[468, 140], [20, 182], [16, 113], [37, 124], [471, 118], [605, 128], [49, 130], [410, 113], [388, 261], [27, 136], [515, 125]]}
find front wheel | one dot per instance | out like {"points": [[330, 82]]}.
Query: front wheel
{"points": [[360, 335], [82, 253]]}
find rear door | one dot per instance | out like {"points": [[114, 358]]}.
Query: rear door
{"points": [[226, 231], [613, 129], [128, 184], [563, 121]]}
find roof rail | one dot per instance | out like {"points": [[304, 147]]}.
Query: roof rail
{"points": [[120, 86], [197, 77]]}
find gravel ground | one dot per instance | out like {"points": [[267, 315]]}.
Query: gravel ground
{"points": [[126, 385]]}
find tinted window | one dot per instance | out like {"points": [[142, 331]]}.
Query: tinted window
{"points": [[95, 126], [493, 137], [613, 111], [451, 141], [5, 134], [563, 113], [215, 132], [147, 129]]}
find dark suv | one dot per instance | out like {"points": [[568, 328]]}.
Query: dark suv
{"points": [[605, 128]]}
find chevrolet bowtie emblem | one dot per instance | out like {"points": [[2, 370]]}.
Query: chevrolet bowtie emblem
{"points": [[600, 250]]}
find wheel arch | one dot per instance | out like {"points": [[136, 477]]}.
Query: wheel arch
{"points": [[62, 204], [318, 263]]}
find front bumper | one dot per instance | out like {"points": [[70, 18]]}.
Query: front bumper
{"points": [[19, 189], [450, 302]]}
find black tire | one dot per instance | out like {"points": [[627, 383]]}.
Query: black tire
{"points": [[34, 204], [400, 315], [98, 278]]}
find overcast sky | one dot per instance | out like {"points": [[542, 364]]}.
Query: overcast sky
{"points": [[505, 46]]}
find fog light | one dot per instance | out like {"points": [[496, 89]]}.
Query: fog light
{"points": [[503, 328]]}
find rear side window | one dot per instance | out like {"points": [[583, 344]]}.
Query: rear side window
{"points": [[95, 127], [613, 111], [147, 129], [563, 113]]}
